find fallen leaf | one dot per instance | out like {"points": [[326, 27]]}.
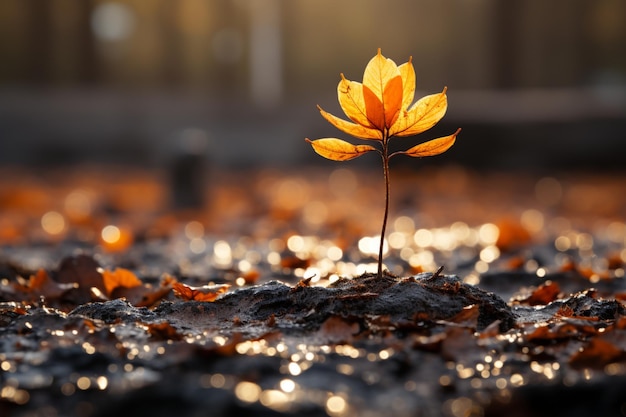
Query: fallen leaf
{"points": [[597, 354], [467, 317], [163, 331], [41, 285], [544, 294], [120, 277], [204, 293], [83, 270], [511, 234], [336, 329], [293, 262]]}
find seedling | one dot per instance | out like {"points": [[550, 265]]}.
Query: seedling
{"points": [[381, 108]]}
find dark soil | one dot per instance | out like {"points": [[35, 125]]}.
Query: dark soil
{"points": [[541, 331], [423, 345]]}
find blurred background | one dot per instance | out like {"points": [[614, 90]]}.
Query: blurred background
{"points": [[535, 85]]}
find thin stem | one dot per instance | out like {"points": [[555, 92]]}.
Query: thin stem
{"points": [[385, 156]]}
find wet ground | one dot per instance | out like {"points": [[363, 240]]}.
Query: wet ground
{"points": [[259, 295]]}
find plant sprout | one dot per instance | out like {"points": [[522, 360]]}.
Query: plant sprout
{"points": [[381, 108]]}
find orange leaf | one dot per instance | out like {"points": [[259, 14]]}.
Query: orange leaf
{"points": [[338, 150], [432, 147], [374, 108], [119, 278], [382, 90], [423, 115], [37, 281], [206, 293]]}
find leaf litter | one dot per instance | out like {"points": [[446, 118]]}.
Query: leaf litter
{"points": [[245, 329]]}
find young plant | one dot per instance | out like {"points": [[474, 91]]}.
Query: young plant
{"points": [[381, 108]]}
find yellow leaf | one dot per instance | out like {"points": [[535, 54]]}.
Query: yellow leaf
{"points": [[351, 100], [432, 147], [378, 72], [423, 115], [407, 72], [353, 129], [338, 150], [385, 96]]}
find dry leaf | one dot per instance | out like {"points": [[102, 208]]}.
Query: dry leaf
{"points": [[120, 277], [336, 329], [597, 354], [204, 293], [41, 285], [467, 317], [511, 234], [544, 294], [163, 331]]}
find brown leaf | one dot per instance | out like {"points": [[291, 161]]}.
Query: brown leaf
{"points": [[205, 293], [597, 354], [544, 294], [163, 331], [467, 317], [83, 270], [293, 262], [41, 285], [337, 329], [458, 343]]}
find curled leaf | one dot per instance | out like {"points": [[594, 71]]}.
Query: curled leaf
{"points": [[339, 150], [432, 147]]}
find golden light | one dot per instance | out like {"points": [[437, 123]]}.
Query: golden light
{"points": [[78, 205], [248, 392], [110, 234], [194, 229], [423, 238], [488, 234], [53, 223], [371, 245], [336, 405], [287, 385], [115, 239]]}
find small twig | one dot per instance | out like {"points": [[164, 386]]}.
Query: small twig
{"points": [[436, 275]]}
